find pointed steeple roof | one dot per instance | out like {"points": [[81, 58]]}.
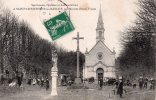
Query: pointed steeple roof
{"points": [[100, 20]]}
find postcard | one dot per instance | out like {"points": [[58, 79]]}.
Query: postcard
{"points": [[77, 49]]}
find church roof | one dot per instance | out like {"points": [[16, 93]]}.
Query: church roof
{"points": [[103, 45], [101, 63]]}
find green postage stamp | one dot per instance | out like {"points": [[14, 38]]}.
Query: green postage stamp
{"points": [[59, 25]]}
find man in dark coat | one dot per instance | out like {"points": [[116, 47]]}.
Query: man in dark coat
{"points": [[42, 82], [29, 81], [140, 82], [101, 83], [120, 88], [19, 81], [145, 82], [18, 76], [47, 84]]}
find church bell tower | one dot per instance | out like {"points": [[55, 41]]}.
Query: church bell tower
{"points": [[100, 28]]}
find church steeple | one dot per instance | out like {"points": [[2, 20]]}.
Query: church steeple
{"points": [[100, 28]]}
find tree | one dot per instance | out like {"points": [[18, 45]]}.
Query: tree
{"points": [[22, 50], [138, 54]]}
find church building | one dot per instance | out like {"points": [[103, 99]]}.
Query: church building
{"points": [[100, 60]]}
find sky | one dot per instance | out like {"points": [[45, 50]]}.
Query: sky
{"points": [[117, 15]]}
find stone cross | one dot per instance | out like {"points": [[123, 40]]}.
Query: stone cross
{"points": [[78, 38]]}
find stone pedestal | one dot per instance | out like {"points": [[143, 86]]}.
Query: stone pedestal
{"points": [[54, 75], [78, 81]]}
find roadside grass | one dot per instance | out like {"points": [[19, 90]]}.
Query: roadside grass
{"points": [[6, 90]]}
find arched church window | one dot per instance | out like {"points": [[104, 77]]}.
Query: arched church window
{"points": [[100, 33]]}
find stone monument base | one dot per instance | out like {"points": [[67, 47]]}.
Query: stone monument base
{"points": [[78, 80], [54, 93]]}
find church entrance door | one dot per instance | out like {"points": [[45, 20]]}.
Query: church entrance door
{"points": [[99, 73]]}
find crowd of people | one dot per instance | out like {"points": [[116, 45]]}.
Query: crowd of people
{"points": [[19, 81], [118, 86], [41, 82], [143, 83]]}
